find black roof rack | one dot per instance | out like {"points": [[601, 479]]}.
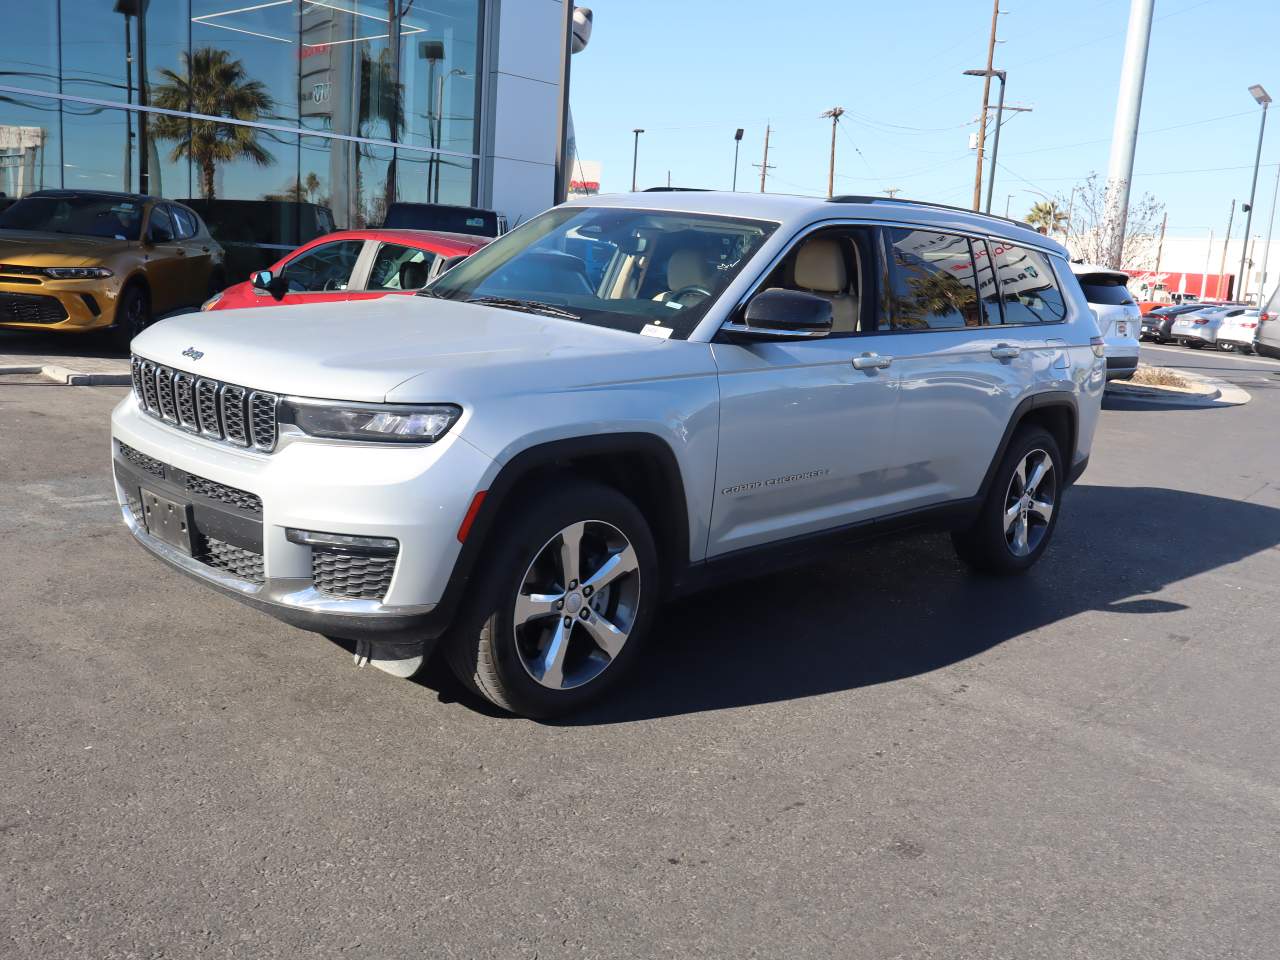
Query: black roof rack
{"points": [[675, 190], [90, 191], [853, 198]]}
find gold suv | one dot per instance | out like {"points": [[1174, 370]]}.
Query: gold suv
{"points": [[76, 260]]}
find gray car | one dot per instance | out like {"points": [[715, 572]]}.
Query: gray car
{"points": [[1200, 328]]}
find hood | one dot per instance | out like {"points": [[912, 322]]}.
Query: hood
{"points": [[32, 248], [363, 350]]}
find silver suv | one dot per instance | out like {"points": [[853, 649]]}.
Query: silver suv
{"points": [[624, 399]]}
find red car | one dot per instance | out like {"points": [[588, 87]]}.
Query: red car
{"points": [[350, 265]]}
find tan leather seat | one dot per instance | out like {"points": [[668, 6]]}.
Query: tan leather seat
{"points": [[820, 269], [687, 267]]}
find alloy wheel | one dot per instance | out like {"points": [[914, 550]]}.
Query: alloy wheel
{"points": [[577, 604], [1029, 503]]}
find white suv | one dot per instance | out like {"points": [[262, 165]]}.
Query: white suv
{"points": [[1119, 317], [624, 399]]}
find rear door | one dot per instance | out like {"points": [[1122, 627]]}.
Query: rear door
{"points": [[969, 344], [394, 268]]}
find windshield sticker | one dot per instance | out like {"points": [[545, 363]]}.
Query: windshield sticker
{"points": [[653, 330]]}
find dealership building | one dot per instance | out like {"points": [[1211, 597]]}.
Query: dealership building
{"points": [[309, 113]]}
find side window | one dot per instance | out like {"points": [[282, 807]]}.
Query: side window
{"points": [[834, 264], [184, 223], [932, 284], [326, 267], [1027, 287], [160, 227], [397, 267]]}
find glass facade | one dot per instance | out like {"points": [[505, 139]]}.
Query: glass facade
{"points": [[276, 119]]}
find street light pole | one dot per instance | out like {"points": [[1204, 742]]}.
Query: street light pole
{"points": [[1262, 97], [1124, 135], [737, 143], [635, 155]]}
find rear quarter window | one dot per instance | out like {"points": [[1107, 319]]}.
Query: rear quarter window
{"points": [[1104, 290]]}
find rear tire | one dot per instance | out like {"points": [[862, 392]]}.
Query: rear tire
{"points": [[133, 315], [562, 604], [1020, 513]]}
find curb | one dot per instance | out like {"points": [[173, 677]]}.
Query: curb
{"points": [[1221, 394], [72, 378]]}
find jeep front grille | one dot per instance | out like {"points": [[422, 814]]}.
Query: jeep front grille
{"points": [[211, 408]]}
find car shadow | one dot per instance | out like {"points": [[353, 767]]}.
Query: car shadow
{"points": [[893, 609]]}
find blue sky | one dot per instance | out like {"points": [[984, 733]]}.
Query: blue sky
{"points": [[690, 72]]}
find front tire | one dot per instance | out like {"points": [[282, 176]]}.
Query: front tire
{"points": [[133, 315], [1020, 514], [562, 605]]}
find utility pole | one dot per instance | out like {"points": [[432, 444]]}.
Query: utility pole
{"points": [[1226, 242], [1252, 246], [737, 142], [635, 156], [835, 113], [1262, 282], [1160, 246], [1264, 100], [1007, 199], [892, 191], [1124, 135], [986, 98], [765, 165]]}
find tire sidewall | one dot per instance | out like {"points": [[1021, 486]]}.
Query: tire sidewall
{"points": [[510, 561], [126, 327], [1036, 438]]}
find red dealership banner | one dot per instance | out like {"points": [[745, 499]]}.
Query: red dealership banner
{"points": [[1148, 285]]}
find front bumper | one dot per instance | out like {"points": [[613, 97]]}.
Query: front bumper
{"points": [[58, 306], [415, 495]]}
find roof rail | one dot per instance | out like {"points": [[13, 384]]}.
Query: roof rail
{"points": [[853, 198], [676, 190]]}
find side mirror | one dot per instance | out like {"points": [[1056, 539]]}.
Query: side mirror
{"points": [[777, 314], [159, 235], [268, 282]]}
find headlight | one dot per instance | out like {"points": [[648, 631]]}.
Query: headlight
{"points": [[211, 302], [77, 273], [388, 423]]}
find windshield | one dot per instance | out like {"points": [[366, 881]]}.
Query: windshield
{"points": [[622, 269], [85, 215]]}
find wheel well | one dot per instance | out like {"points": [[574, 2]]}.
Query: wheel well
{"points": [[1059, 420], [641, 475], [137, 280]]}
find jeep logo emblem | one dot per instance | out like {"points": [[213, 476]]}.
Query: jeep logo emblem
{"points": [[193, 353]]}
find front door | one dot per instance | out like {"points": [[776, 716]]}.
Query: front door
{"points": [[319, 274], [166, 263], [806, 436]]}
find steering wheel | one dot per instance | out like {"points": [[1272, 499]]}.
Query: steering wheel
{"points": [[677, 296]]}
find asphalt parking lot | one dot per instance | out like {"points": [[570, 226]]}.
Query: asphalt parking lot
{"points": [[882, 756]]}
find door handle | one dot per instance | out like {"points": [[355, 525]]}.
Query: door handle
{"points": [[180, 251], [871, 361], [1005, 352]]}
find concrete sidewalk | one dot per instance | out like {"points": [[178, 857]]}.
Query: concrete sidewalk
{"points": [[76, 361]]}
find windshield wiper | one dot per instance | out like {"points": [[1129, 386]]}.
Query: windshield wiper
{"points": [[527, 306]]}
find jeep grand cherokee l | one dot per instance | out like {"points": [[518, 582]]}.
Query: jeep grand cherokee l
{"points": [[520, 463]]}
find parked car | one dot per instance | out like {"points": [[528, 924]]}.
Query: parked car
{"points": [[350, 265], [1238, 331], [1117, 313], [256, 233], [72, 261], [525, 464], [1199, 328], [475, 221], [1157, 324]]}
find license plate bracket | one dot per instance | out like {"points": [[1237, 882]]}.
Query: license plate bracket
{"points": [[168, 520]]}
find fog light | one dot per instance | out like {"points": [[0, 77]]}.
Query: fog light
{"points": [[343, 541]]}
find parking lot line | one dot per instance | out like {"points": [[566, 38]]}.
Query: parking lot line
{"points": [[1267, 362]]}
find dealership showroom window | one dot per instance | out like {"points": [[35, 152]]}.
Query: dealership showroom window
{"points": [[333, 118]]}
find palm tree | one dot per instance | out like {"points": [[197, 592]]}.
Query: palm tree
{"points": [[217, 85], [1047, 215]]}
